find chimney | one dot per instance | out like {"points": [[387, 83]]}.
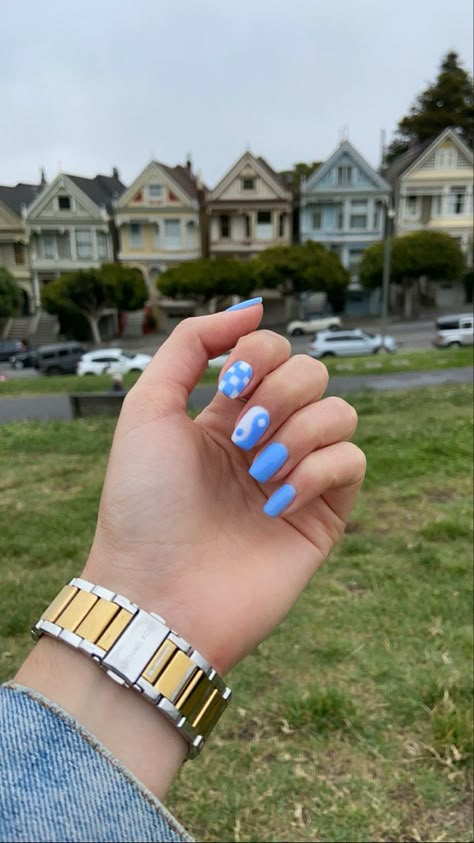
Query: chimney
{"points": [[115, 173], [189, 164], [42, 177]]}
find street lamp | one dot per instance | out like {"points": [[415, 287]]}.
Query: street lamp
{"points": [[388, 223]]}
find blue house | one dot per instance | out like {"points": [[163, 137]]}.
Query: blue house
{"points": [[343, 206]]}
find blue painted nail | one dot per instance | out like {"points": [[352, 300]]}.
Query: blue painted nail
{"points": [[268, 462], [279, 500], [249, 303], [250, 428], [234, 381]]}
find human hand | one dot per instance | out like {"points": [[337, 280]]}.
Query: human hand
{"points": [[181, 529]]}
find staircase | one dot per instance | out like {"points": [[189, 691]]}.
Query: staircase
{"points": [[134, 325], [46, 330], [21, 328]]}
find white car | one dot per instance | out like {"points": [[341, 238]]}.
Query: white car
{"points": [[308, 326], [218, 362], [111, 361], [349, 343]]}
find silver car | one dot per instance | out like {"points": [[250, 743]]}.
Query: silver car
{"points": [[349, 343], [454, 331]]}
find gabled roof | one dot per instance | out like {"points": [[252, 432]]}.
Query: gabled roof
{"points": [[344, 148], [103, 190], [261, 166], [401, 162], [22, 194], [183, 177], [418, 152]]}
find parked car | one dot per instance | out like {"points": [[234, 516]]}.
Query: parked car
{"points": [[454, 331], [218, 362], [58, 358], [112, 361], [308, 326], [349, 343], [10, 347], [24, 359]]}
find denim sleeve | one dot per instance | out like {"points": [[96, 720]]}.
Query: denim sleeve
{"points": [[58, 783]]}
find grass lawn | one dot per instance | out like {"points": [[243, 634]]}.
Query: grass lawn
{"points": [[372, 365], [353, 722]]}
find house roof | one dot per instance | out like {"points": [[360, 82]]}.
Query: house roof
{"points": [[273, 173], [401, 162], [183, 177], [22, 194], [103, 190]]}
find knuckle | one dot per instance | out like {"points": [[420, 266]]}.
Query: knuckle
{"points": [[359, 461], [343, 408]]}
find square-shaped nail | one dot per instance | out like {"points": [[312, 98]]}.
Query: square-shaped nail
{"points": [[250, 428], [279, 500], [234, 381], [268, 462]]}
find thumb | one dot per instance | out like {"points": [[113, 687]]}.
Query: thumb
{"points": [[181, 361]]}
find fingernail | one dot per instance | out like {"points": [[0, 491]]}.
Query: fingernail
{"points": [[279, 500], [242, 304], [234, 381], [250, 428], [268, 462]]}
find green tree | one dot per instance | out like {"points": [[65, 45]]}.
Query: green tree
{"points": [[447, 102], [297, 269], [299, 171], [90, 292], [421, 253], [206, 278], [10, 294]]}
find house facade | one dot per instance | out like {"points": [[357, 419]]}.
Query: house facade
{"points": [[158, 220], [249, 210], [14, 240], [70, 226], [434, 191], [342, 205]]}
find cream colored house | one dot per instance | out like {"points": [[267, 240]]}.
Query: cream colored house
{"points": [[434, 191], [158, 220], [70, 226], [14, 240], [249, 210]]}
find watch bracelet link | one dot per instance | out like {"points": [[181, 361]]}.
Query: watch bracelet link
{"points": [[137, 649]]}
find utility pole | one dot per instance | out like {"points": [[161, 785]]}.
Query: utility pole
{"points": [[389, 216]]}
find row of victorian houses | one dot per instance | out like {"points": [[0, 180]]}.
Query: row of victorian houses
{"points": [[167, 215]]}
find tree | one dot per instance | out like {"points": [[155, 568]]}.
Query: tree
{"points": [[447, 102], [90, 292], [206, 278], [297, 269], [10, 294], [421, 253], [298, 172]]}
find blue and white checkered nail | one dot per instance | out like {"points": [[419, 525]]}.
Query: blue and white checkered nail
{"points": [[234, 381]]}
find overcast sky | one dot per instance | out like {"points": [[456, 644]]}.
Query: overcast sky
{"points": [[85, 86]]}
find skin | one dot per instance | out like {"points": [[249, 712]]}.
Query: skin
{"points": [[181, 531]]}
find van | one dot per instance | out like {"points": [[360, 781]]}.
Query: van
{"points": [[452, 331], [58, 359]]}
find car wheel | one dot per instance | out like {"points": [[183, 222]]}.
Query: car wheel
{"points": [[376, 350], [297, 332], [53, 370], [135, 371], [454, 345], [17, 364], [328, 354]]}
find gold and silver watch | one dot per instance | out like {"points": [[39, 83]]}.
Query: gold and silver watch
{"points": [[137, 649]]}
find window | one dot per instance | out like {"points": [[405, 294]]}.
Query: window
{"points": [[155, 191], [264, 230], [248, 183], [135, 235], [447, 158], [317, 219], [64, 203], [19, 251], [102, 245], [411, 205], [84, 243], [156, 233], [457, 196], [190, 234], [339, 217], [247, 226], [224, 225], [281, 225], [358, 221], [344, 174], [377, 214], [48, 242], [64, 245], [172, 234], [437, 206]]}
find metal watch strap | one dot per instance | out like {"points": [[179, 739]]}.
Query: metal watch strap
{"points": [[137, 649]]}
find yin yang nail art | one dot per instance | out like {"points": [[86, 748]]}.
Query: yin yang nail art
{"points": [[250, 428]]}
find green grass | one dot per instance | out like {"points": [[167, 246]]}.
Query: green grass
{"points": [[380, 364], [353, 721]]}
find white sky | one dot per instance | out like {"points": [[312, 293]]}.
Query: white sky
{"points": [[89, 84]]}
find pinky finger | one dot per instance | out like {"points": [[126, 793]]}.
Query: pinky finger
{"points": [[335, 472]]}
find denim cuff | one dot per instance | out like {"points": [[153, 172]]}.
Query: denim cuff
{"points": [[59, 783]]}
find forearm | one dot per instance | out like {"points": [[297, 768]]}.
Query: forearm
{"points": [[136, 733]]}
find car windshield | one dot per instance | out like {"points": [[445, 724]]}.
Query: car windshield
{"points": [[128, 354]]}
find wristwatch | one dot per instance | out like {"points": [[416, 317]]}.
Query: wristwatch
{"points": [[137, 649]]}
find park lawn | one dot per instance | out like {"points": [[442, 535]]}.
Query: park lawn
{"points": [[353, 721], [379, 364]]}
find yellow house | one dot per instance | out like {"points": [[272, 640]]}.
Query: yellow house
{"points": [[158, 220], [14, 239]]}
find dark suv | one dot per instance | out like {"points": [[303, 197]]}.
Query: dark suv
{"points": [[10, 347], [58, 359]]}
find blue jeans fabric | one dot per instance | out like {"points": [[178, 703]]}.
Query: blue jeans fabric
{"points": [[58, 783]]}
